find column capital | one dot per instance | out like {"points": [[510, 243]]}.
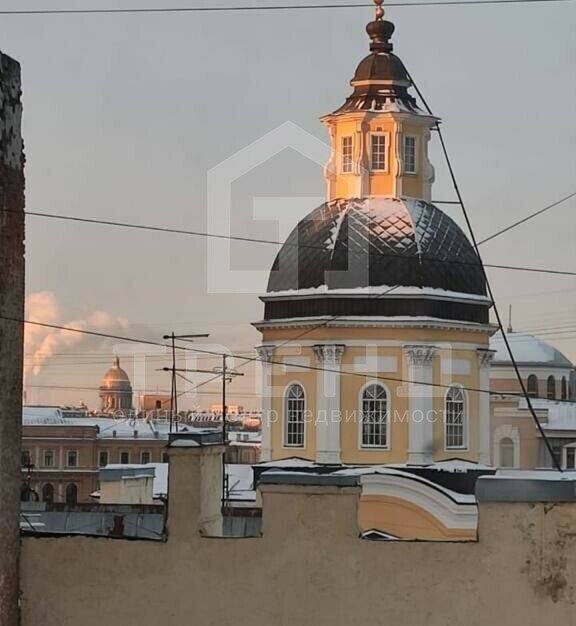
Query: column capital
{"points": [[265, 353], [329, 353], [421, 355], [485, 357]]}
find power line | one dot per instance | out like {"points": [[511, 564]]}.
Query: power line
{"points": [[286, 7], [246, 239], [296, 365], [525, 394], [528, 218]]}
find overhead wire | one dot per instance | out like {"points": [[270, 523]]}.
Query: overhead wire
{"points": [[555, 460], [287, 244], [269, 7]]}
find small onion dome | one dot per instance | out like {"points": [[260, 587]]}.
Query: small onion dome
{"points": [[342, 257], [116, 378], [381, 80], [527, 350]]}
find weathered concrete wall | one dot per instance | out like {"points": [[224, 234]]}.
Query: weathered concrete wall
{"points": [[11, 335], [309, 567]]}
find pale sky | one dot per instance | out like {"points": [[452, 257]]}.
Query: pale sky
{"points": [[124, 115]]}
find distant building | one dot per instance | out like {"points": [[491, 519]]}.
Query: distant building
{"points": [[63, 455], [548, 376], [115, 390]]}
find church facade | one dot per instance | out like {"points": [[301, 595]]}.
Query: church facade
{"points": [[375, 336]]}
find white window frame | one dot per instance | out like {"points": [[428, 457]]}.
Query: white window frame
{"points": [[287, 445], [465, 419], [361, 444], [345, 167], [414, 170], [68, 458], [386, 151]]}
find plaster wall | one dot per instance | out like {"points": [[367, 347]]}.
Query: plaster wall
{"points": [[309, 567]]}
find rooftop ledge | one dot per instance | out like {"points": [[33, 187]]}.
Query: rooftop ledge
{"points": [[527, 486]]}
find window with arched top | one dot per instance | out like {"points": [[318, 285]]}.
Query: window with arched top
{"points": [[564, 388], [455, 419], [374, 417], [48, 493], [506, 449], [294, 417], [551, 388], [532, 386], [71, 494]]}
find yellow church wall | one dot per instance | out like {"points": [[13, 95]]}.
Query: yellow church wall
{"points": [[405, 520], [335, 334], [467, 381], [353, 380], [350, 390], [379, 183]]}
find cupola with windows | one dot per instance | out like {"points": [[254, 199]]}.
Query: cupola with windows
{"points": [[378, 246]]}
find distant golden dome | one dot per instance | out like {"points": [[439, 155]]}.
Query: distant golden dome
{"points": [[116, 378]]}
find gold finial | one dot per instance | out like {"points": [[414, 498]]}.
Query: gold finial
{"points": [[379, 9]]}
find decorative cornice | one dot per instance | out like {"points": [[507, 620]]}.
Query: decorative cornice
{"points": [[485, 357], [265, 353], [375, 322], [421, 355], [329, 353]]}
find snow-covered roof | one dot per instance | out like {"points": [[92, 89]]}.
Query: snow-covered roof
{"points": [[395, 292], [108, 427], [527, 350]]}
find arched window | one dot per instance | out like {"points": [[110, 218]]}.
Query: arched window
{"points": [[455, 419], [506, 452], [564, 388], [532, 385], [374, 417], [551, 388], [294, 417], [47, 493], [71, 494]]}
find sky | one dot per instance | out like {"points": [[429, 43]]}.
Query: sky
{"points": [[125, 116]]}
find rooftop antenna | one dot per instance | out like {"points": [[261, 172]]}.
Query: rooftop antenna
{"points": [[509, 330]]}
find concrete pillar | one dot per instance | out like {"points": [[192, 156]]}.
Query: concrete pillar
{"points": [[265, 354], [11, 333], [485, 358], [194, 489], [328, 403], [421, 404]]}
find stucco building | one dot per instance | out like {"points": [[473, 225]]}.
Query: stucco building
{"points": [[548, 376], [65, 454]]}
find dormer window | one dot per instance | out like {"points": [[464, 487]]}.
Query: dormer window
{"points": [[409, 154], [347, 155], [378, 152]]}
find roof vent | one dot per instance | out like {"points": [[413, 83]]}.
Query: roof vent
{"points": [[135, 434], [113, 433]]}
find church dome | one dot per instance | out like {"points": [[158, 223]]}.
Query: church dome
{"points": [[527, 350], [354, 249], [116, 378]]}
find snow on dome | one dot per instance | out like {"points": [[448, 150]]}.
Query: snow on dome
{"points": [[527, 349]]}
